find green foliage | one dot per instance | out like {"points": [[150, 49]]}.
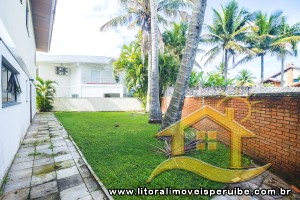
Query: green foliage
{"points": [[45, 91], [245, 78], [215, 79], [131, 63], [196, 78]]}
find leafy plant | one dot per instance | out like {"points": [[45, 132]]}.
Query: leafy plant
{"points": [[196, 78], [45, 91], [245, 78]]}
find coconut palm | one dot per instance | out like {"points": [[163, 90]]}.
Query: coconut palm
{"points": [[286, 44], [261, 41], [138, 15], [245, 78], [155, 115], [174, 110], [45, 91], [227, 33]]}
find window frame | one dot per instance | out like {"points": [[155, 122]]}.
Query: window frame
{"points": [[13, 74]]}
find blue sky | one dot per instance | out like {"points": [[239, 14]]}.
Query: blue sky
{"points": [[76, 29]]}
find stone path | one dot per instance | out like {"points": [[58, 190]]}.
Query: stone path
{"points": [[48, 166]]}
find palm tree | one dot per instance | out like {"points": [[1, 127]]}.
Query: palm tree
{"points": [[155, 115], [45, 91], [245, 78], [138, 15], [227, 33], [287, 42], [261, 41], [174, 110]]}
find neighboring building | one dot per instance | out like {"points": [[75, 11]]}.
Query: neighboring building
{"points": [[25, 26], [290, 77], [81, 76]]}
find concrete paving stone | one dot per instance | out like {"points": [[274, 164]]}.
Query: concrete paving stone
{"points": [[26, 145], [83, 170], [45, 146], [54, 196], [86, 198], [23, 154], [99, 195], [43, 169], [26, 149], [59, 144], [56, 138], [44, 161], [63, 158], [17, 184], [43, 156], [22, 194], [73, 193], [75, 154], [46, 151], [59, 141], [72, 148], [19, 174], [63, 173], [59, 149], [22, 165], [43, 178], [70, 144], [64, 164], [91, 184], [23, 159], [68, 182], [43, 190]]}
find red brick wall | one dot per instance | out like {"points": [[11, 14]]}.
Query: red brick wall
{"points": [[274, 120]]}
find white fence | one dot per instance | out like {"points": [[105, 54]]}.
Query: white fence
{"points": [[97, 104]]}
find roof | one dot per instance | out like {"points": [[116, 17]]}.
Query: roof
{"points": [[296, 84], [74, 59], [43, 12], [278, 73], [271, 80]]}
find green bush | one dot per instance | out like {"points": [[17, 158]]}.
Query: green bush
{"points": [[45, 91]]}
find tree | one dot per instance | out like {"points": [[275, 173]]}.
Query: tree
{"points": [[138, 15], [130, 62], [245, 78], [228, 33], [155, 115], [261, 41], [287, 43], [174, 110], [45, 91]]}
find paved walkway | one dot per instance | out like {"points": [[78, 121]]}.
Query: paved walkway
{"points": [[48, 166]]}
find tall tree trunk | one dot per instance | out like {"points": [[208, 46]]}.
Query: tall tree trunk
{"points": [[149, 76], [262, 69], [282, 72], [226, 66], [155, 115], [174, 110]]}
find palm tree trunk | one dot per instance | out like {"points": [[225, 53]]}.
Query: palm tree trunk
{"points": [[226, 66], [282, 72], [149, 76], [155, 115], [174, 110], [262, 69]]}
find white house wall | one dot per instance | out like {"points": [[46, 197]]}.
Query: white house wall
{"points": [[13, 16], [14, 120]]}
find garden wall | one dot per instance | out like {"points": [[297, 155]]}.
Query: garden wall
{"points": [[97, 104], [273, 118]]}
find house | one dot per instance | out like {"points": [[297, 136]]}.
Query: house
{"points": [[290, 77], [81, 76], [25, 26]]}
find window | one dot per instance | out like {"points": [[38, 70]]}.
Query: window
{"points": [[27, 18], [107, 95], [10, 85], [95, 76], [63, 71], [296, 80]]}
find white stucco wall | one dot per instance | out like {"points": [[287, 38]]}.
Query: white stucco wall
{"points": [[14, 120], [13, 16], [97, 104]]}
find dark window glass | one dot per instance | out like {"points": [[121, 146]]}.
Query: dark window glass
{"points": [[9, 85]]}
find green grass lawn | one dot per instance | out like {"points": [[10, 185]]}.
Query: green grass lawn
{"points": [[123, 156]]}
